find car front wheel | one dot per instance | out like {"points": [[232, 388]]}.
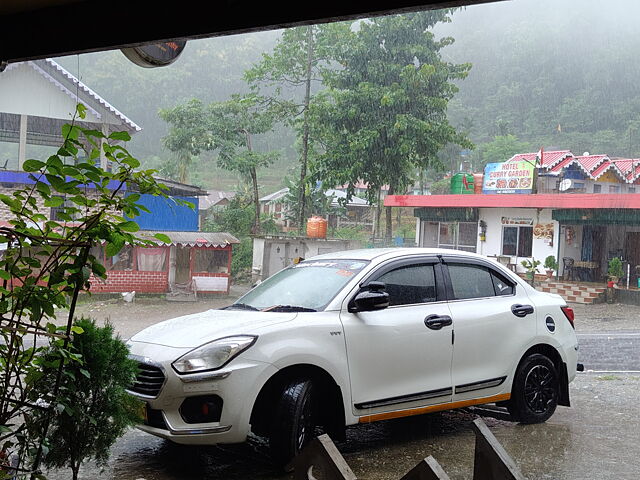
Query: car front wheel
{"points": [[294, 421], [534, 396]]}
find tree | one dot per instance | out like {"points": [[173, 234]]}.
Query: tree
{"points": [[187, 134], [228, 128], [384, 114], [94, 408], [502, 148], [317, 202], [297, 62], [231, 126]]}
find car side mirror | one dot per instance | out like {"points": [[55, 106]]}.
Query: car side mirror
{"points": [[372, 297]]}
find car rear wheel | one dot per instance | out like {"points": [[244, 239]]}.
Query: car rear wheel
{"points": [[294, 422], [534, 396]]}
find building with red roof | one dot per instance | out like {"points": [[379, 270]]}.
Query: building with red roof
{"points": [[584, 212]]}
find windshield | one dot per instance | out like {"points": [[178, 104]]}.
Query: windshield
{"points": [[308, 285]]}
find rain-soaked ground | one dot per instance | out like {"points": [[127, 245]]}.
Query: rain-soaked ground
{"points": [[597, 438]]}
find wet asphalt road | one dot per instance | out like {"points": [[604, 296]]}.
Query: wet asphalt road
{"points": [[612, 352], [597, 438]]}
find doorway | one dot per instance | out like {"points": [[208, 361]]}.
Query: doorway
{"points": [[183, 265]]}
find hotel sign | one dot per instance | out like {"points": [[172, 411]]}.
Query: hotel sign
{"points": [[508, 177]]}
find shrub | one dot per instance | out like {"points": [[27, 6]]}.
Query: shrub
{"points": [[550, 263], [615, 268], [242, 260], [92, 409]]}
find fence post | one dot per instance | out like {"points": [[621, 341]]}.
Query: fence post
{"points": [[491, 461], [321, 454], [427, 469]]}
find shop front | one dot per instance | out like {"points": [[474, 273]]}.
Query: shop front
{"points": [[583, 232], [591, 238]]}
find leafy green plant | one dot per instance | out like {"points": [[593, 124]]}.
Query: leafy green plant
{"points": [[531, 266], [48, 262], [317, 202], [242, 260], [615, 268], [93, 409], [550, 263]]}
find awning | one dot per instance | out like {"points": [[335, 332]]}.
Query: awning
{"points": [[446, 214], [192, 239], [597, 217]]}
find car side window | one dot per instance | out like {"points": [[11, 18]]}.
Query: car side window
{"points": [[471, 281], [410, 285], [501, 285]]}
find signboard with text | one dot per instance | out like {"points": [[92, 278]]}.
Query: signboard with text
{"points": [[508, 177]]}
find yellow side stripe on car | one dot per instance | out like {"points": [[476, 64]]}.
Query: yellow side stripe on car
{"points": [[433, 408]]}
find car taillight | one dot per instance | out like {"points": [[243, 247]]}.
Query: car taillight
{"points": [[568, 312]]}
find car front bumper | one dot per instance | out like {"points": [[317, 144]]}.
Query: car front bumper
{"points": [[237, 384]]}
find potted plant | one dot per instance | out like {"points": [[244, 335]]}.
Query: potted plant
{"points": [[530, 265], [615, 270], [550, 265]]}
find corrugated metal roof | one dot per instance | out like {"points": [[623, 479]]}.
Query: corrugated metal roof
{"points": [[201, 239], [337, 194], [625, 165], [590, 162], [561, 164], [215, 197], [603, 168], [549, 159], [93, 94], [275, 195]]}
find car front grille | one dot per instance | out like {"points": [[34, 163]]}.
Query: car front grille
{"points": [[149, 381]]}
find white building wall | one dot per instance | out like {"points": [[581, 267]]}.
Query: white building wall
{"points": [[272, 254], [541, 248], [25, 91]]}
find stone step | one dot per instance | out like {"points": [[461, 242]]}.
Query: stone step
{"points": [[573, 293]]}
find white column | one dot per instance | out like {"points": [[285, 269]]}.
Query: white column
{"points": [[103, 158], [22, 145]]}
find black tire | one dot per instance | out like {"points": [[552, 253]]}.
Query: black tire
{"points": [[535, 391], [294, 422]]}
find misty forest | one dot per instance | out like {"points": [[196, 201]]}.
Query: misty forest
{"points": [[480, 84]]}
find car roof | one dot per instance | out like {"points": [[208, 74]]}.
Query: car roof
{"points": [[387, 253]]}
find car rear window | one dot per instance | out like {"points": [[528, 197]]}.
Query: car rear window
{"points": [[409, 285], [477, 281], [470, 281]]}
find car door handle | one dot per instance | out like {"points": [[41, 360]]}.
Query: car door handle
{"points": [[436, 322], [521, 310]]}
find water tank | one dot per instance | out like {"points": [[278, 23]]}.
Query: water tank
{"points": [[317, 227], [462, 183], [478, 178]]}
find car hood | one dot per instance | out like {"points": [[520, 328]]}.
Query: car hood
{"points": [[194, 330]]}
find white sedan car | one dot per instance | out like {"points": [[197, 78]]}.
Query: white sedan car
{"points": [[355, 337]]}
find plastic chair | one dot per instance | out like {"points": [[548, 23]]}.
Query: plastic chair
{"points": [[567, 268]]}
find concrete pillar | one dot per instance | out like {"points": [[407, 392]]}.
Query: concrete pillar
{"points": [[22, 143], [172, 262], [103, 158]]}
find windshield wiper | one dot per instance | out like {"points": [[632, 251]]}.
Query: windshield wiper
{"points": [[287, 308], [239, 306]]}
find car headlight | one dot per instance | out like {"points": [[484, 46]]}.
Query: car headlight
{"points": [[213, 355]]}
